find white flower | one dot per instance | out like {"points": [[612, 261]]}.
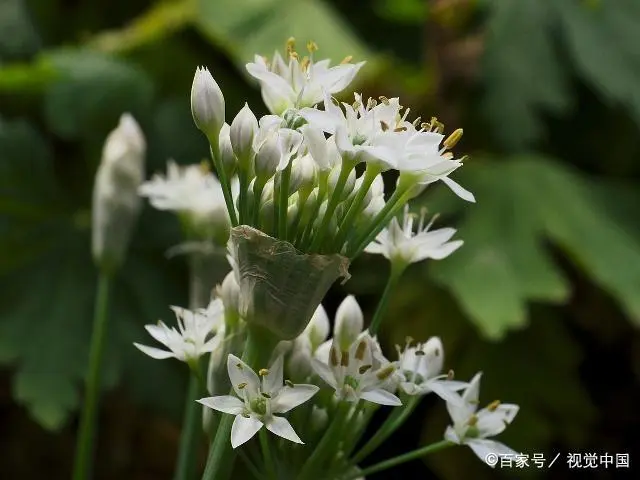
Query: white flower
{"points": [[207, 103], [189, 190], [473, 428], [299, 83], [349, 322], [288, 141], [419, 371], [115, 201], [354, 374], [192, 339], [258, 401], [400, 245], [359, 130]]}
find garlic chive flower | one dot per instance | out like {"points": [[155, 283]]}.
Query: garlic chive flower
{"points": [[193, 338], [473, 428], [258, 400], [355, 374], [207, 104], [195, 194], [419, 371], [299, 82], [402, 246]]}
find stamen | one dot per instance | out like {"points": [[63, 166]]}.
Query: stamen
{"points": [[420, 353], [450, 375], [312, 46], [265, 395], [204, 167], [239, 365], [493, 405], [400, 129], [473, 421], [363, 369], [289, 383], [333, 357], [409, 340], [361, 350], [290, 46], [384, 126], [346, 59], [304, 65], [371, 103], [344, 360], [263, 372], [384, 100], [385, 372], [416, 122], [453, 139], [242, 385]]}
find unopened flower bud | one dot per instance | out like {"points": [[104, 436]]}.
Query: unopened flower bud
{"points": [[318, 329], [229, 292], [433, 356], [349, 323], [317, 146], [243, 130], [229, 162], [116, 202], [319, 418], [207, 104], [268, 158], [303, 174]]}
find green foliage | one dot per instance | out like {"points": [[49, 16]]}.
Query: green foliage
{"points": [[247, 27], [523, 204]]}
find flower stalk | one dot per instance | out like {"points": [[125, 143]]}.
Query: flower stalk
{"points": [[381, 309]]}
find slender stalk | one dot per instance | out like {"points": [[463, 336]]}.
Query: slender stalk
{"points": [[305, 238], [392, 462], [334, 200], [391, 208], [369, 176], [86, 436], [242, 199], [284, 202], [258, 187], [267, 455], [253, 470], [224, 182], [327, 444], [381, 309], [191, 425], [391, 424], [258, 349]]}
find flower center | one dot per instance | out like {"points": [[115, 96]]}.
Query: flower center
{"points": [[351, 381], [259, 405]]}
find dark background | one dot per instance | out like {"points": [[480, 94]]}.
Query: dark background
{"points": [[544, 297]]}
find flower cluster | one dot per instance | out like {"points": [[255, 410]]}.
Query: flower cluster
{"points": [[300, 193]]}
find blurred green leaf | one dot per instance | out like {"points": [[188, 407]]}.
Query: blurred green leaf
{"points": [[18, 37], [403, 11], [248, 27], [92, 91], [520, 86], [47, 285], [524, 202]]}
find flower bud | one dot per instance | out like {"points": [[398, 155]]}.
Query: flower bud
{"points": [[243, 130], [433, 357], [303, 174], [207, 104], [116, 202], [268, 157], [318, 329], [349, 323], [317, 146], [229, 162], [229, 292], [349, 184], [319, 419]]}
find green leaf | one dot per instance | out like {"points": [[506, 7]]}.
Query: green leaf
{"points": [[248, 27], [18, 37], [91, 92], [523, 74], [523, 204]]}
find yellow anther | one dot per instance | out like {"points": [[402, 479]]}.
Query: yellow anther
{"points": [[290, 46], [384, 126], [265, 395], [312, 46], [409, 340], [363, 369], [263, 372], [385, 372], [242, 385], [473, 421], [289, 383], [384, 99], [371, 103], [239, 365], [361, 350], [204, 167], [493, 405], [346, 59], [450, 375], [333, 357], [400, 129], [304, 64], [453, 139]]}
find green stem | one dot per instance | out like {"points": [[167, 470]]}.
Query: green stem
{"points": [[327, 444], [391, 424], [305, 238], [185, 468], [86, 436], [258, 187], [334, 200], [224, 182], [302, 201], [269, 463], [258, 348], [381, 309], [392, 462], [391, 208], [242, 199], [250, 465], [284, 202], [346, 225]]}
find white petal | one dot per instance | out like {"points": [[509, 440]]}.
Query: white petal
{"points": [[281, 427], [444, 391], [472, 393], [459, 190], [154, 352], [243, 429], [482, 448], [224, 403], [492, 423], [273, 380], [291, 397], [450, 434], [460, 411], [381, 397], [433, 356], [158, 332], [241, 373], [439, 252], [323, 351], [324, 372]]}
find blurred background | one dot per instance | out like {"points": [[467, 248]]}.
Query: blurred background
{"points": [[544, 297]]}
